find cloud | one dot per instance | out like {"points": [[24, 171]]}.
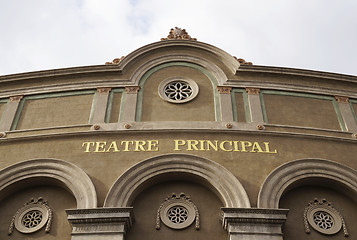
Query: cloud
{"points": [[40, 34]]}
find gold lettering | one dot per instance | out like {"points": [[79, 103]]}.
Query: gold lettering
{"points": [[99, 147], [153, 145], [126, 145], [87, 145], [179, 143], [210, 144], [192, 144], [202, 146], [267, 149], [114, 146], [244, 145], [139, 144], [221, 146], [236, 148], [256, 147]]}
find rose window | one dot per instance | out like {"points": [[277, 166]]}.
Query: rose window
{"points": [[32, 219], [177, 214], [323, 220], [323, 217], [178, 91]]}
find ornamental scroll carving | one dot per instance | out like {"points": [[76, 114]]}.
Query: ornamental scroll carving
{"points": [[323, 217], [178, 34], [115, 61], [178, 212], [242, 61], [34, 215]]}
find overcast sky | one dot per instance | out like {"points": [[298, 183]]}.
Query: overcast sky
{"points": [[47, 34]]}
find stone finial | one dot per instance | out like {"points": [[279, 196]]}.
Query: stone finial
{"points": [[178, 33], [242, 61], [115, 61]]}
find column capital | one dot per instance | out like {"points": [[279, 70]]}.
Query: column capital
{"points": [[104, 90], [100, 220], [250, 90], [224, 89], [16, 98], [261, 223], [341, 99], [132, 89]]}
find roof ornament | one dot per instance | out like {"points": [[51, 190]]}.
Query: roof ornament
{"points": [[178, 33], [115, 61], [242, 61]]}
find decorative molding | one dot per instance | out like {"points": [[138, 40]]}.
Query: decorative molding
{"points": [[331, 221], [16, 98], [115, 61], [188, 212], [132, 89], [224, 183], [252, 91], [101, 220], [294, 172], [224, 89], [104, 90], [67, 174], [39, 213], [341, 99], [178, 33], [253, 221]]}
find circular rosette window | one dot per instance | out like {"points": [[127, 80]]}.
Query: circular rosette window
{"points": [[177, 214], [31, 218], [178, 90], [323, 219]]}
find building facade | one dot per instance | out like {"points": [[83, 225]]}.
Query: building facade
{"points": [[178, 140]]}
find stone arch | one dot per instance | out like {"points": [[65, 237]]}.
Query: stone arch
{"points": [[219, 54], [216, 72], [65, 174], [164, 167], [296, 172]]}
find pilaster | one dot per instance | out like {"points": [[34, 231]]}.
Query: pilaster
{"points": [[226, 103], [101, 103], [255, 107], [10, 113], [131, 99], [346, 112]]}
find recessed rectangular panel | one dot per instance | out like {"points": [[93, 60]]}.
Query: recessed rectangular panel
{"points": [[116, 102], [240, 107], [55, 111], [301, 111], [2, 109]]}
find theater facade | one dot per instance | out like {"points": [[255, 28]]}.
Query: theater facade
{"points": [[178, 140]]}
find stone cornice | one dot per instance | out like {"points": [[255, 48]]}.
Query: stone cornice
{"points": [[60, 72], [100, 220], [296, 72]]}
